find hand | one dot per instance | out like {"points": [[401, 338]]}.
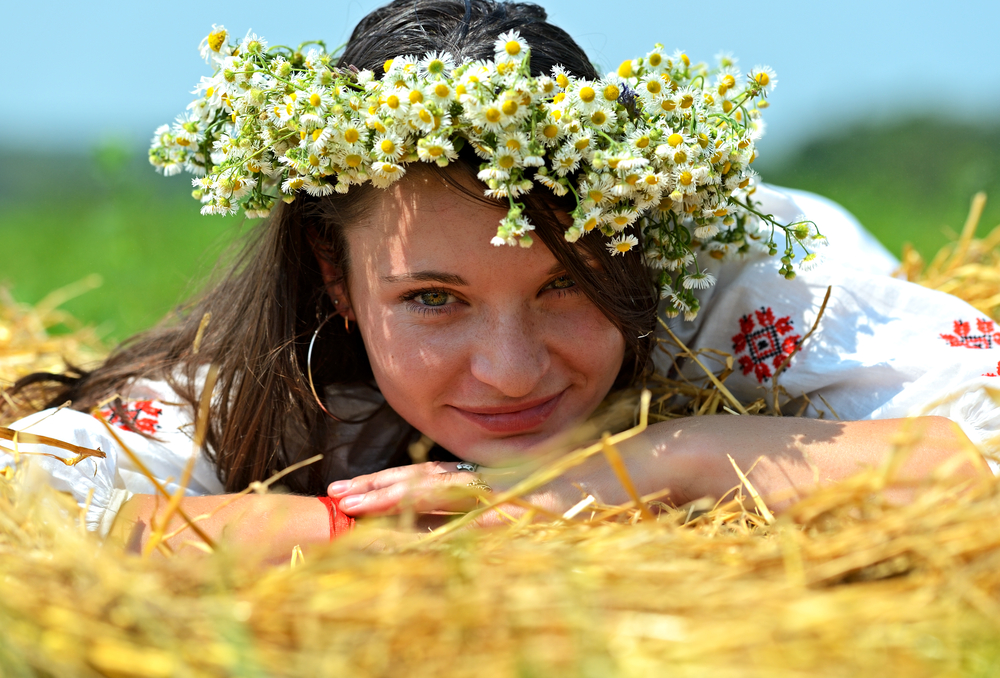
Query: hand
{"points": [[423, 488]]}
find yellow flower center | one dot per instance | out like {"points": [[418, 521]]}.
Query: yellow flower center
{"points": [[598, 118], [762, 79], [351, 135], [687, 101], [353, 160], [625, 69], [587, 94], [654, 87], [745, 183], [655, 59], [582, 143], [675, 140], [506, 161], [387, 65], [435, 151], [317, 134], [686, 178], [595, 195], [728, 81], [550, 131], [559, 98], [460, 90], [510, 107], [590, 224], [727, 106], [387, 146], [416, 96], [562, 80], [389, 169], [513, 47], [650, 179], [725, 168], [623, 247], [215, 40], [513, 144], [622, 220], [680, 157], [493, 114], [296, 183], [684, 58], [632, 179], [642, 142], [425, 116], [392, 101], [181, 141], [436, 66], [314, 160], [441, 90], [315, 100], [668, 104], [611, 93]]}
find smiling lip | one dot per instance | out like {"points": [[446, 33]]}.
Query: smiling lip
{"points": [[517, 418]]}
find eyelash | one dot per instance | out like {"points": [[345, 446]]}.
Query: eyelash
{"points": [[424, 309]]}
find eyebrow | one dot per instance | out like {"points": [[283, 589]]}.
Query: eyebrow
{"points": [[444, 278], [426, 276]]}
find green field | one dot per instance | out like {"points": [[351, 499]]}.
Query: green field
{"points": [[110, 214]]}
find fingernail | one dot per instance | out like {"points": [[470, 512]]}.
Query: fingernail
{"points": [[339, 487], [352, 501]]}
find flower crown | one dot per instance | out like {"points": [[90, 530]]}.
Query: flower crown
{"points": [[661, 145]]}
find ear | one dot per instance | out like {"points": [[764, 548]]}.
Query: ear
{"points": [[333, 276]]}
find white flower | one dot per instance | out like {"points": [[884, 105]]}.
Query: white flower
{"points": [[510, 47], [386, 173], [437, 65], [698, 281], [622, 244], [438, 149]]}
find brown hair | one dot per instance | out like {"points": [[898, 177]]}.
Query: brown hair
{"points": [[270, 299]]}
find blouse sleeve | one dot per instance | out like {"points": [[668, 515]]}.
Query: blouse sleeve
{"points": [[884, 347], [104, 483]]}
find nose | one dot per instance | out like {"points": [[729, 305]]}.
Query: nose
{"points": [[511, 353]]}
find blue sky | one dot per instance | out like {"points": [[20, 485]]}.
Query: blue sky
{"points": [[87, 72]]}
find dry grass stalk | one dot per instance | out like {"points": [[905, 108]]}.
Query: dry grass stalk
{"points": [[842, 583]]}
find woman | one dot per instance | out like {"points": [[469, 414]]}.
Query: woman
{"points": [[491, 352]]}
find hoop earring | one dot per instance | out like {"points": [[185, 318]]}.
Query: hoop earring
{"points": [[309, 355]]}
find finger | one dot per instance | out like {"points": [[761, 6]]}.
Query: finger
{"points": [[385, 478], [433, 492]]}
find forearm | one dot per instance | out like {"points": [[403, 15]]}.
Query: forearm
{"points": [[788, 456], [269, 526]]}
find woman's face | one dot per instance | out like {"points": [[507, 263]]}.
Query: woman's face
{"points": [[487, 350]]}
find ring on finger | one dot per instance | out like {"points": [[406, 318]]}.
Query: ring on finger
{"points": [[467, 466]]}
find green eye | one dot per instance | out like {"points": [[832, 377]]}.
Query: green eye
{"points": [[433, 298], [562, 282]]}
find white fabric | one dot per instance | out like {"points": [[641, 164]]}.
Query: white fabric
{"points": [[116, 477], [884, 348]]}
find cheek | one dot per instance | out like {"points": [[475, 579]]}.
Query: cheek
{"points": [[411, 363]]}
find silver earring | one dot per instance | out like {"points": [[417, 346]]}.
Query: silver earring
{"points": [[309, 355]]}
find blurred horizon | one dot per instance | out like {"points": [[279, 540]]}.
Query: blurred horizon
{"points": [[888, 108]]}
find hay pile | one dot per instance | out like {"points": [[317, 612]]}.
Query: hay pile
{"points": [[840, 584]]}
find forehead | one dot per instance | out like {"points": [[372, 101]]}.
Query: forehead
{"points": [[428, 222]]}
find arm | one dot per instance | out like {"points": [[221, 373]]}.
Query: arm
{"points": [[788, 457], [268, 525]]}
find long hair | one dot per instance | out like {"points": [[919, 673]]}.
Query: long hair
{"points": [[270, 298]]}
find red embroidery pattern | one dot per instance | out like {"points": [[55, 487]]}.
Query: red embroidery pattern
{"points": [[987, 337], [143, 416], [993, 374], [765, 342]]}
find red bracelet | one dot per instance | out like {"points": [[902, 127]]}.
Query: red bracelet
{"points": [[340, 523]]}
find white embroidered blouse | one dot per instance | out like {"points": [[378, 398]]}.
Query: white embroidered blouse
{"points": [[884, 348]]}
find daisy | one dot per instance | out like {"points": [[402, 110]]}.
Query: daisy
{"points": [[510, 47], [622, 244]]}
